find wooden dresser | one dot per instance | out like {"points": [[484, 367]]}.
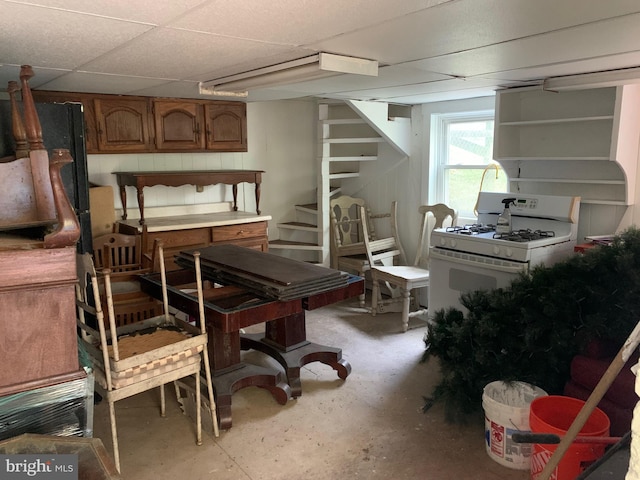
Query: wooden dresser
{"points": [[38, 235], [37, 317], [198, 231]]}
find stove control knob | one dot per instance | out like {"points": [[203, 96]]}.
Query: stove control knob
{"points": [[496, 250], [453, 243], [509, 252], [443, 242]]}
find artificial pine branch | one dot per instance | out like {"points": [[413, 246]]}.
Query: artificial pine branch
{"points": [[531, 330]]}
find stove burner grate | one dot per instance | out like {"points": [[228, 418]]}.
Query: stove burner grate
{"points": [[524, 235], [472, 229]]}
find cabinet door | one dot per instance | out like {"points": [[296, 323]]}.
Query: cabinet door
{"points": [[178, 125], [123, 125], [226, 127]]}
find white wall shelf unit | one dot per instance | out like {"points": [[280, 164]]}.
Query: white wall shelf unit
{"points": [[580, 142]]}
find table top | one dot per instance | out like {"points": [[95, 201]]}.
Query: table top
{"points": [[173, 173], [200, 220]]}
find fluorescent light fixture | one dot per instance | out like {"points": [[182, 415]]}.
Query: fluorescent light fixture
{"points": [[304, 69], [608, 78]]}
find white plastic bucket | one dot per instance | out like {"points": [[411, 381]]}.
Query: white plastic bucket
{"points": [[506, 410]]}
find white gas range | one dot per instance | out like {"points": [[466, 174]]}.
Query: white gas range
{"points": [[473, 257]]}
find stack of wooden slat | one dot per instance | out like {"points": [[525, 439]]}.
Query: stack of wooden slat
{"points": [[263, 273]]}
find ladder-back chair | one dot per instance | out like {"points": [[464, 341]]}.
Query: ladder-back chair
{"points": [[403, 279], [122, 255], [348, 231], [135, 358]]}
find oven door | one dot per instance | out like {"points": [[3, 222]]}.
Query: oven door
{"points": [[452, 273]]}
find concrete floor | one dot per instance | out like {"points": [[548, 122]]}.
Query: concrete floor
{"points": [[369, 426]]}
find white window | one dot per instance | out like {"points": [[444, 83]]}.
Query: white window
{"points": [[462, 151]]}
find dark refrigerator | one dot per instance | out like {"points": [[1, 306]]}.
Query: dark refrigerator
{"points": [[62, 127]]}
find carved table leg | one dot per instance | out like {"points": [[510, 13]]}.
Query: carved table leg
{"points": [[234, 188], [123, 199], [248, 376], [295, 358], [140, 191], [258, 198]]}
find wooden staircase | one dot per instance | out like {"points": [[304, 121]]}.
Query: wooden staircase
{"points": [[346, 139]]}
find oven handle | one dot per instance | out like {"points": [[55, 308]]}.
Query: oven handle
{"points": [[481, 262]]}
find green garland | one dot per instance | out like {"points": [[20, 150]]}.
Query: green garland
{"points": [[531, 330]]}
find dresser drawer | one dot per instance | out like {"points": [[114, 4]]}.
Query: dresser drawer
{"points": [[239, 232], [181, 238]]}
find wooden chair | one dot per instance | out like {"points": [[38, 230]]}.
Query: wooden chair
{"points": [[122, 255], [348, 251], [136, 358], [118, 252], [403, 279]]}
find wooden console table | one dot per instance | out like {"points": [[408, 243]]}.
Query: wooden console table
{"points": [[179, 178]]}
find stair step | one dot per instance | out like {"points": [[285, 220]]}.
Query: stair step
{"points": [[355, 140], [308, 208], [355, 158], [287, 244], [344, 121], [307, 227], [336, 176]]}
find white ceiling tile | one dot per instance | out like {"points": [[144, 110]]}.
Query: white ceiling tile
{"points": [[184, 89], [178, 54], [53, 38], [294, 22], [154, 12], [610, 62], [114, 46], [469, 24], [99, 83], [540, 50]]}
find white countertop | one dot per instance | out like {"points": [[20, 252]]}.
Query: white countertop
{"points": [[184, 222]]}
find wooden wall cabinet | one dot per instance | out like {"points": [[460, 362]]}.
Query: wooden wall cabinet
{"points": [[130, 124], [179, 125], [226, 126], [123, 124]]}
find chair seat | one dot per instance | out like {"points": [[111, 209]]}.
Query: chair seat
{"points": [[403, 279], [147, 371], [402, 274]]}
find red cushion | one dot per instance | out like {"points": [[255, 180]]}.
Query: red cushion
{"points": [[619, 417], [587, 372]]}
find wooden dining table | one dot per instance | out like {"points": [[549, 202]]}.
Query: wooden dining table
{"points": [[231, 307]]}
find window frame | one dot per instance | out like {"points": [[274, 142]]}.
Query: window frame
{"points": [[440, 123]]}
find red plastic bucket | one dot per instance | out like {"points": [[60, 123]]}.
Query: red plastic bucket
{"points": [[555, 414]]}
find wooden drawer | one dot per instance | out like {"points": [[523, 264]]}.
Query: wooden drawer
{"points": [[181, 238], [239, 232]]}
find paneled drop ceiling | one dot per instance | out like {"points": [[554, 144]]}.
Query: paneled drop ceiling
{"points": [[428, 50]]}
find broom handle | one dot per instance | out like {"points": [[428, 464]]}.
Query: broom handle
{"points": [[593, 400]]}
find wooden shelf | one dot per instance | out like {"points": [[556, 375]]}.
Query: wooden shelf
{"points": [[584, 142]]}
